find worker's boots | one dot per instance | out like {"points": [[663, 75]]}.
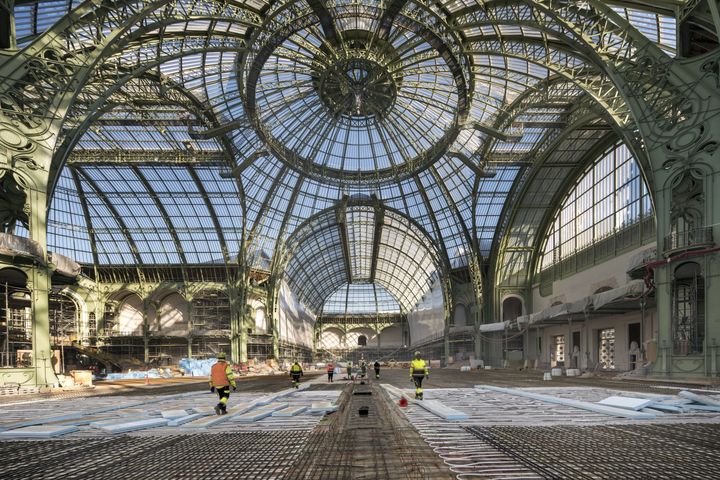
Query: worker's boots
{"points": [[218, 410]]}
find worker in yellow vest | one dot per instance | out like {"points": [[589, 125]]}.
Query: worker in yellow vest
{"points": [[296, 372], [418, 371], [221, 379]]}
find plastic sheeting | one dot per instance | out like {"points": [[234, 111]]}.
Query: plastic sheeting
{"points": [[632, 289], [197, 367], [296, 321], [139, 375], [494, 327], [427, 320], [14, 245], [642, 257], [65, 265]]}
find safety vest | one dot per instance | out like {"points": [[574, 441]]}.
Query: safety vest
{"points": [[417, 367], [296, 368], [221, 375]]}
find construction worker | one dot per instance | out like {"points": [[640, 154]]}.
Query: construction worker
{"points": [[221, 379], [349, 371], [376, 366], [418, 371], [363, 369], [330, 371], [296, 372]]}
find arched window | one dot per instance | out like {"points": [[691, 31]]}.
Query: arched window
{"points": [[609, 196], [512, 308], [92, 325], [362, 341], [688, 320]]}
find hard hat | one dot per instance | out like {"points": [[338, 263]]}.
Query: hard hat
{"points": [[417, 354], [221, 356]]}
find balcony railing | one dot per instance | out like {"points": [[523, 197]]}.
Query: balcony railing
{"points": [[689, 239]]}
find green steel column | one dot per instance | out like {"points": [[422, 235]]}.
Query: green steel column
{"points": [[189, 300], [691, 147], [40, 279], [477, 317], [238, 331], [146, 332], [41, 327]]}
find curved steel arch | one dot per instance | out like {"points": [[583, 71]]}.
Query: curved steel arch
{"points": [[395, 223]]}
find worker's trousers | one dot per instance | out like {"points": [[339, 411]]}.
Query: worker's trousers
{"points": [[296, 379], [224, 394]]}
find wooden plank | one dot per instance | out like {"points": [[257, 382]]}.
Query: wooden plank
{"points": [[135, 425], [289, 411], [446, 413], [703, 399], [39, 431], [186, 419], [173, 414], [42, 420]]}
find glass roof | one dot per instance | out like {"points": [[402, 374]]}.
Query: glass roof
{"points": [[360, 243], [145, 214], [360, 299], [249, 127]]}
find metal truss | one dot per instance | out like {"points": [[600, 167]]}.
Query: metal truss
{"points": [[326, 252], [235, 70]]}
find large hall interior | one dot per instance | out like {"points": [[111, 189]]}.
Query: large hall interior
{"points": [[517, 200]]}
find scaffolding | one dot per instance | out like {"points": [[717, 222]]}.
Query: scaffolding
{"points": [[15, 327], [211, 312], [260, 347], [293, 352]]}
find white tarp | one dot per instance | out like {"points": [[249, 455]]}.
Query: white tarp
{"points": [[14, 245], [65, 265], [632, 289], [494, 327]]}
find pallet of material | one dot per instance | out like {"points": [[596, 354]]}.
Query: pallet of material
{"points": [[629, 403]]}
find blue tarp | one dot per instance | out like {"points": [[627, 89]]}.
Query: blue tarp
{"points": [[139, 375], [197, 368]]}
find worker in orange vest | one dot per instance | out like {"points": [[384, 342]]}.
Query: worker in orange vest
{"points": [[221, 379], [330, 371]]}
